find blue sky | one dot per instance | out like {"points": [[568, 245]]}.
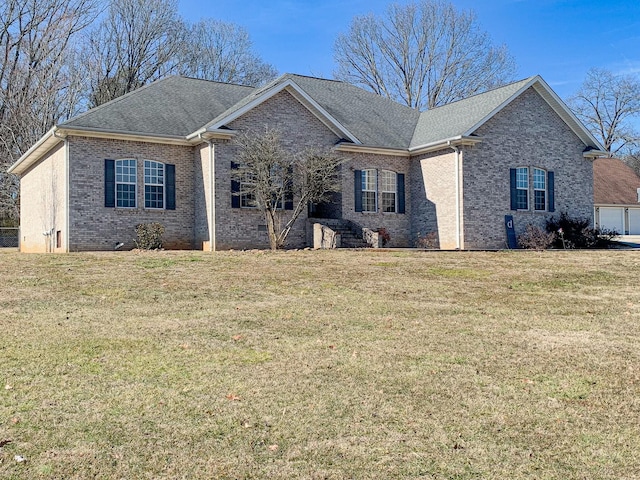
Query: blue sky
{"points": [[559, 40]]}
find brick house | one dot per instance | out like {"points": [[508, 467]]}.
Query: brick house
{"points": [[164, 154]]}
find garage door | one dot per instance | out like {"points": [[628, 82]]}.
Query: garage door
{"points": [[612, 218], [634, 221]]}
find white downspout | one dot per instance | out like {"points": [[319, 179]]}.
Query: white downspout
{"points": [[457, 174]]}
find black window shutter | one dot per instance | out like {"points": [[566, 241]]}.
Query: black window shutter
{"points": [[235, 188], [400, 179], [109, 183], [357, 183], [288, 196], [514, 191], [170, 176], [551, 193]]}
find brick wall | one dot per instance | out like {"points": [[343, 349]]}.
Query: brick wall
{"points": [[525, 133], [95, 227], [397, 224], [245, 227], [433, 190]]}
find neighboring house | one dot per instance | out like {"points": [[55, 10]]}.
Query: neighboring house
{"points": [[164, 154], [616, 196]]}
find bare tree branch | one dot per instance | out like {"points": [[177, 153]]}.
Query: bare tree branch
{"points": [[222, 52], [606, 104], [38, 84], [269, 175], [136, 43], [423, 54]]}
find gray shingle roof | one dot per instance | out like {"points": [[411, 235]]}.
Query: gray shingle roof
{"points": [[174, 106], [458, 117], [374, 120], [179, 106]]}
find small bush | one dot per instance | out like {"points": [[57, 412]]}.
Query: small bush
{"points": [[149, 236], [427, 241], [578, 233], [384, 235], [536, 238]]}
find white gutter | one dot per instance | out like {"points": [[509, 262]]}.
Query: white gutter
{"points": [[593, 154], [222, 133], [447, 142], [457, 174], [39, 144], [349, 147]]}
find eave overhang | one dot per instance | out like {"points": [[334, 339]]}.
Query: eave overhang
{"points": [[458, 141], [58, 133], [212, 134], [592, 154], [31, 156], [352, 148]]}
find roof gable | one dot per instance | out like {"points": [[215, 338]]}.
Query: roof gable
{"points": [[362, 117], [464, 117]]}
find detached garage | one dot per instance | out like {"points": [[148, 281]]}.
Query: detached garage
{"points": [[616, 191]]}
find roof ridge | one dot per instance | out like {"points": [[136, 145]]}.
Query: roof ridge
{"points": [[117, 99], [186, 77], [524, 80], [317, 78]]}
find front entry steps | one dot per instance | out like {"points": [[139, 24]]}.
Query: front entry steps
{"points": [[351, 235]]}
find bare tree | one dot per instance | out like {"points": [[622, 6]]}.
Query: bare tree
{"points": [[271, 178], [606, 104], [422, 54], [222, 52], [136, 43], [38, 85]]}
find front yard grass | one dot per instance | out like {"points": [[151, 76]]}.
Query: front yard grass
{"points": [[320, 364]]}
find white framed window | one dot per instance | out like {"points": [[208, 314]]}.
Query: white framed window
{"points": [[153, 184], [126, 173], [389, 191], [539, 189], [369, 190], [522, 188]]}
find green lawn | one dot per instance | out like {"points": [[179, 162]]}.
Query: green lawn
{"points": [[320, 364]]}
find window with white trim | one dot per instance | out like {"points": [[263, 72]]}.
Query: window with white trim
{"points": [[522, 188], [389, 190], [539, 189], [153, 184], [126, 172], [369, 190]]}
